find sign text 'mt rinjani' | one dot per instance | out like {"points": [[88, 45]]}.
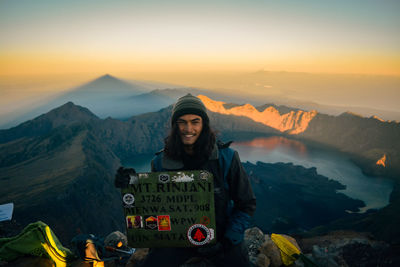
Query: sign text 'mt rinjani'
{"points": [[184, 187], [172, 187]]}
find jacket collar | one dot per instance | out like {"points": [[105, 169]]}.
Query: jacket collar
{"points": [[172, 164]]}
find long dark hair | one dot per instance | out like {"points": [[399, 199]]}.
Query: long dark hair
{"points": [[202, 148]]}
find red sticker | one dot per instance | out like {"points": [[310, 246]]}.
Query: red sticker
{"points": [[199, 235], [164, 223]]}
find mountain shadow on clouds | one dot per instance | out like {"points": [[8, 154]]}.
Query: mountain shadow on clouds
{"points": [[105, 96]]}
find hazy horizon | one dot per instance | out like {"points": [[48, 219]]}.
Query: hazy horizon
{"points": [[326, 93], [373, 91]]}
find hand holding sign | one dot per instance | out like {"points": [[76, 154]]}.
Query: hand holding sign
{"points": [[123, 176]]}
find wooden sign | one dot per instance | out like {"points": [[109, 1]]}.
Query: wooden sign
{"points": [[170, 209]]}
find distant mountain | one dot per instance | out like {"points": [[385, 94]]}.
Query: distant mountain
{"points": [[66, 115], [387, 115], [154, 100], [335, 110], [175, 93], [282, 109], [293, 122]]}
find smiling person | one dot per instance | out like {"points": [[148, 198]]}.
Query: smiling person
{"points": [[192, 145]]}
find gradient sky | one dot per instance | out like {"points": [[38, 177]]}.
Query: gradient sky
{"points": [[341, 36]]}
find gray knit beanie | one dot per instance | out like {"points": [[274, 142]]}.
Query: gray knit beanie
{"points": [[189, 104]]}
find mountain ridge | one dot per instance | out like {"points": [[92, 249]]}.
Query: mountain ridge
{"points": [[66, 114], [293, 122], [321, 128], [366, 140], [71, 163]]}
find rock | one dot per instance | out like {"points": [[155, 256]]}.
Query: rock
{"points": [[351, 249], [269, 249], [262, 261], [253, 239], [323, 258], [298, 263], [254, 234], [139, 255]]}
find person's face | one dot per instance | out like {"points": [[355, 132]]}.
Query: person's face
{"points": [[190, 127]]}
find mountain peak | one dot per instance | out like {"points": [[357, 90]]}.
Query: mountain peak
{"points": [[377, 118], [71, 108], [67, 114], [351, 114]]}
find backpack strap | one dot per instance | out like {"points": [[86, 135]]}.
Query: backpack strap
{"points": [[225, 159], [157, 161]]}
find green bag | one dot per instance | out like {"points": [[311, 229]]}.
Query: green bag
{"points": [[37, 239]]}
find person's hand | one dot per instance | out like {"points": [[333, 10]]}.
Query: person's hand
{"points": [[123, 176]]}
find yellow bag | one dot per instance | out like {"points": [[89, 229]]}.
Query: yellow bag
{"points": [[289, 252]]}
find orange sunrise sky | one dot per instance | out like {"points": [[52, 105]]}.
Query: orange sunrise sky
{"points": [[58, 37], [50, 46]]}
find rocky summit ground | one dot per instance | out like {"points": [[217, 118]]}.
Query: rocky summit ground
{"points": [[336, 249]]}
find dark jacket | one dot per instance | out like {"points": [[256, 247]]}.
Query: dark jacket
{"points": [[233, 196]]}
